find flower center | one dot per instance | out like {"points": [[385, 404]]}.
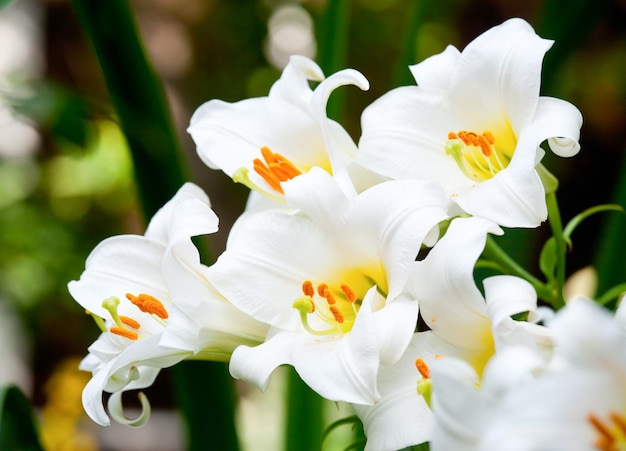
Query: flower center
{"points": [[274, 168], [477, 155], [335, 306], [128, 327], [611, 433]]}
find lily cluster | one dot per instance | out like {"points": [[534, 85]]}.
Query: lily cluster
{"points": [[354, 261]]}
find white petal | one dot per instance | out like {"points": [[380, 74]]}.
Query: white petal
{"points": [[559, 122], [119, 265], [343, 367], [500, 72], [444, 286], [404, 136], [256, 364], [160, 225], [136, 367], [268, 257], [436, 71], [515, 196], [507, 296]]}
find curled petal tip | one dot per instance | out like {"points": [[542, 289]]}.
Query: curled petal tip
{"points": [[116, 409]]}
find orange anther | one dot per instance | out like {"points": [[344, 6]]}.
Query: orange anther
{"points": [[276, 168], [307, 288], [422, 367], [349, 292], [153, 305], [489, 137], [329, 297], [484, 145], [148, 304], [268, 155], [452, 135], [267, 175], [130, 322], [124, 333], [337, 314], [321, 288], [600, 427]]}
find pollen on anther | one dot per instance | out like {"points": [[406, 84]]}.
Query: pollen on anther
{"points": [[130, 322], [422, 367], [349, 292], [154, 306], [328, 295], [307, 288], [452, 135], [337, 314], [321, 288], [131, 335]]}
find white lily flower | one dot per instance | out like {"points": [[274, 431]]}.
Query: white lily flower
{"points": [[464, 326], [577, 401], [329, 281], [265, 141], [129, 284], [474, 124]]}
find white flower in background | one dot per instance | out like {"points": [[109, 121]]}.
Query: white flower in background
{"points": [[129, 284], [464, 325], [265, 141], [474, 124], [329, 281], [577, 401]]}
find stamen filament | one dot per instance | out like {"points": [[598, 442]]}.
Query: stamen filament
{"points": [[99, 321]]}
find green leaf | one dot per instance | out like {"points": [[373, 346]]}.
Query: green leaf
{"points": [[576, 220], [548, 259], [17, 428]]}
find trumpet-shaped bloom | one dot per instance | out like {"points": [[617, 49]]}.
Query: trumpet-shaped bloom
{"points": [[474, 124], [265, 141], [464, 325], [576, 401], [329, 280], [129, 286]]}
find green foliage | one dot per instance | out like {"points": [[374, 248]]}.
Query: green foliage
{"points": [[17, 427]]}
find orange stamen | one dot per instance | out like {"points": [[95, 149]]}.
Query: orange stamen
{"points": [[148, 304], [329, 297], [130, 322], [422, 367], [337, 314], [267, 175], [321, 288], [276, 168], [124, 333], [307, 288], [452, 135], [349, 292]]}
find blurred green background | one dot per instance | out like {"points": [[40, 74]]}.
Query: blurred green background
{"points": [[66, 174]]}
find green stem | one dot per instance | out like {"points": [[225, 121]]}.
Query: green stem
{"points": [[496, 254], [554, 218], [304, 416]]}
